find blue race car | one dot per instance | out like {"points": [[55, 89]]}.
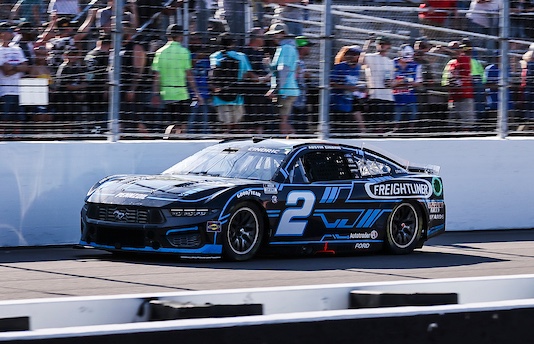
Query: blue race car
{"points": [[240, 198]]}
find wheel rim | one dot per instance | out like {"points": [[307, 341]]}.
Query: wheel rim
{"points": [[243, 231], [404, 225]]}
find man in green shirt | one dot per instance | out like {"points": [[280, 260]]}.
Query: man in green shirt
{"points": [[172, 74]]}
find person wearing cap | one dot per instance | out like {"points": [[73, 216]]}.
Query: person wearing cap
{"points": [[96, 63], [284, 87], [300, 106], [348, 91], [172, 67], [13, 66], [406, 78], [230, 112], [25, 39], [458, 80], [379, 72], [70, 94]]}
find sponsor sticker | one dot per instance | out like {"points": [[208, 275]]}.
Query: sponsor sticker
{"points": [[130, 195], [213, 227], [362, 245], [248, 193], [435, 207], [270, 189], [399, 188], [373, 235]]}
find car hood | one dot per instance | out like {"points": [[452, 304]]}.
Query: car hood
{"points": [[160, 190]]}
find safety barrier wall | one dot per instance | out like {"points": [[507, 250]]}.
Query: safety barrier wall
{"points": [[487, 181]]}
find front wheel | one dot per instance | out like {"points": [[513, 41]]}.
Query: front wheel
{"points": [[243, 234], [403, 229]]}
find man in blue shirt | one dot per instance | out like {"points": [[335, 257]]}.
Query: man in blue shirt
{"points": [[348, 92], [407, 77], [284, 87], [231, 113]]}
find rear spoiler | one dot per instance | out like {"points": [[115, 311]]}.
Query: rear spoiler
{"points": [[430, 169]]}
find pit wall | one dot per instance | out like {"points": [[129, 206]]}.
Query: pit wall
{"points": [[487, 181]]}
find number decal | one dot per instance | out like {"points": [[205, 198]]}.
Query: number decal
{"points": [[289, 225]]}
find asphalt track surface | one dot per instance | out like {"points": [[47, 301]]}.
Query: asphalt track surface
{"points": [[45, 272]]}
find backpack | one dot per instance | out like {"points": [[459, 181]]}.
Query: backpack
{"points": [[224, 79]]}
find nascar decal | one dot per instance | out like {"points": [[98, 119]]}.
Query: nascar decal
{"points": [[399, 188]]}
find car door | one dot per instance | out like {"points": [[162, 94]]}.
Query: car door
{"points": [[311, 203]]}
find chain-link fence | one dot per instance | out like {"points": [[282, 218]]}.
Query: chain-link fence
{"points": [[90, 75]]}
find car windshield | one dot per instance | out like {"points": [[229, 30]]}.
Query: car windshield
{"points": [[228, 162]]}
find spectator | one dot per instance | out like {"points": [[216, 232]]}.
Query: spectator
{"points": [[96, 64], [407, 78], [198, 119], [428, 83], [527, 83], [491, 84], [13, 65], [379, 72], [437, 13], [483, 18], [300, 106], [347, 95], [477, 73], [71, 87], [27, 11], [172, 68], [60, 36], [26, 40], [40, 69], [458, 80], [259, 109], [233, 13], [230, 113], [284, 88], [134, 87]]}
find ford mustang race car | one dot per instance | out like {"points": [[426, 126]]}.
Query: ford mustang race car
{"points": [[237, 199]]}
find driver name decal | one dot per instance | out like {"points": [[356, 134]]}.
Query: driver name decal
{"points": [[399, 188]]}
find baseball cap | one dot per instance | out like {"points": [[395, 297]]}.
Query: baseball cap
{"points": [[354, 49], [64, 22], [277, 28], [407, 53], [303, 41], [383, 40], [466, 44], [5, 26], [174, 29]]}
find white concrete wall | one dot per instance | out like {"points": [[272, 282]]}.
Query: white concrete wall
{"points": [[487, 182]]}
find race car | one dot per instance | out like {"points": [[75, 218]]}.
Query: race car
{"points": [[240, 198]]}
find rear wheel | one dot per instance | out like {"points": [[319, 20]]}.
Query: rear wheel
{"points": [[243, 234], [403, 229]]}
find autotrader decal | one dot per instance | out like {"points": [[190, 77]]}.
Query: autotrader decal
{"points": [[399, 188]]}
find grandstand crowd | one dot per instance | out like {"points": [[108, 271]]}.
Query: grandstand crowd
{"points": [[57, 66]]}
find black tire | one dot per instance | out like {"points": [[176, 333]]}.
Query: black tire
{"points": [[243, 234], [404, 229]]}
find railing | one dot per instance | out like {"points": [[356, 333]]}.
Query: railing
{"points": [[68, 114]]}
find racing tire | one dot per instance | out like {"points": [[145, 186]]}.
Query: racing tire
{"points": [[404, 229], [243, 234]]}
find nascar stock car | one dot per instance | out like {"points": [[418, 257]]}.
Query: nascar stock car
{"points": [[239, 198]]}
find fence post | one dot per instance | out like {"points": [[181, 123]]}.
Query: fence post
{"points": [[326, 58], [115, 75], [502, 117]]}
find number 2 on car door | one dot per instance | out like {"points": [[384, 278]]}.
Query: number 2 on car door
{"points": [[294, 218]]}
